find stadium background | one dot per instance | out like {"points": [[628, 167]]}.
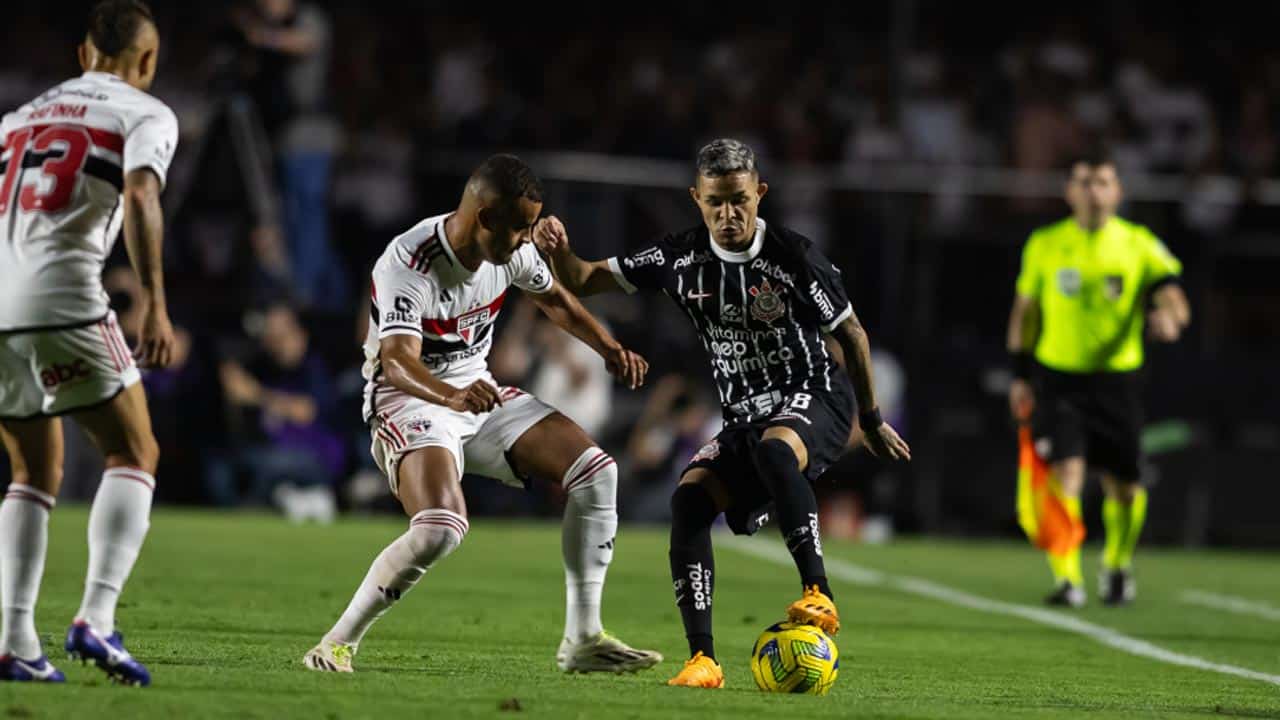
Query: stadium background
{"points": [[918, 146]]}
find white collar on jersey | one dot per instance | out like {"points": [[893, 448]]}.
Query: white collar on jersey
{"points": [[99, 75], [448, 248], [740, 256]]}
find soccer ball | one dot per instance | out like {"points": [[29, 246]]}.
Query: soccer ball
{"points": [[791, 658]]}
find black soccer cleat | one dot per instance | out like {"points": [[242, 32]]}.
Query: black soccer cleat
{"points": [[1118, 588], [1066, 595]]}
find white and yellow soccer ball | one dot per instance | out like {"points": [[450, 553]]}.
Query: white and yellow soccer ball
{"points": [[791, 658]]}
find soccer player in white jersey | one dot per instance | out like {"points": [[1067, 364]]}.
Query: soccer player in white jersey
{"points": [[435, 411], [78, 162]]}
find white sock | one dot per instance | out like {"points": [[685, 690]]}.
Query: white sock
{"points": [[432, 535], [24, 538], [118, 523], [586, 540]]}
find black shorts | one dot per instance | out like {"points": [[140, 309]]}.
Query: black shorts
{"points": [[1097, 416], [822, 418]]}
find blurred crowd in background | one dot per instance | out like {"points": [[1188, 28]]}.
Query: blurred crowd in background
{"points": [[312, 133]]}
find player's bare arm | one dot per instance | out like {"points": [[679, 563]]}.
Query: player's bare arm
{"points": [[402, 368], [581, 277], [882, 440], [565, 311], [1170, 313], [1024, 331], [144, 240]]}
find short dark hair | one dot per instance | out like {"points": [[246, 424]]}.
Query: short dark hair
{"points": [[509, 177], [114, 24], [726, 156], [1095, 156]]}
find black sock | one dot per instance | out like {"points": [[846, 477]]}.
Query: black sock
{"points": [[692, 564], [796, 508]]}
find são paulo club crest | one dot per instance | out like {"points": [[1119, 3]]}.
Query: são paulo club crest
{"points": [[768, 305], [472, 323]]}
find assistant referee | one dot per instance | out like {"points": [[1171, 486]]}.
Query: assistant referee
{"points": [[1089, 287]]}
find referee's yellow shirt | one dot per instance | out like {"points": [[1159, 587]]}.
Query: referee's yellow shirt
{"points": [[1092, 288]]}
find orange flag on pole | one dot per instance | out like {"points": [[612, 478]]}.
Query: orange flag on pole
{"points": [[1043, 513]]}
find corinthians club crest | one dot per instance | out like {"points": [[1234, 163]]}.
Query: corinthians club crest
{"points": [[768, 305]]}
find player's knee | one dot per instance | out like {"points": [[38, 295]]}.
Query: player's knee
{"points": [[594, 476], [1123, 491], [434, 534], [44, 479], [775, 459], [692, 508], [142, 453]]}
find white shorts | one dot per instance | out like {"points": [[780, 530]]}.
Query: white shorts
{"points": [[51, 372], [479, 443]]}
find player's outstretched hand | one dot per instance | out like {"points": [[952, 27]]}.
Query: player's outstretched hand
{"points": [[478, 397], [885, 443], [627, 366], [155, 340], [550, 236]]}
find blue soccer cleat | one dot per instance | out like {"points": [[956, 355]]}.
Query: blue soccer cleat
{"points": [[85, 644], [15, 669]]}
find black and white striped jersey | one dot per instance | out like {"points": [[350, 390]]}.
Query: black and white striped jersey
{"points": [[761, 312]]}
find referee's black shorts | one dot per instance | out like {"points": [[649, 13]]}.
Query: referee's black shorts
{"points": [[1097, 416]]}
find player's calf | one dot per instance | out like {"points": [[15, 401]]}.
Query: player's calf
{"points": [[432, 535], [693, 510], [589, 529], [797, 510]]}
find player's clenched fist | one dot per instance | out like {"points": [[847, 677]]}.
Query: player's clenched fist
{"points": [[550, 235], [478, 397], [627, 366]]}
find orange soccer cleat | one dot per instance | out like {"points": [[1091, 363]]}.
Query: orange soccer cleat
{"points": [[699, 671], [816, 609]]}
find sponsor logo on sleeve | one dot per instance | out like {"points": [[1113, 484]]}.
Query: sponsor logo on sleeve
{"points": [[823, 302], [652, 256]]}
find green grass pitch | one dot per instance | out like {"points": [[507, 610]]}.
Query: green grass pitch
{"points": [[222, 607]]}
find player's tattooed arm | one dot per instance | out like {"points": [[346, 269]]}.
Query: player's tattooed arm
{"points": [[565, 311], [880, 437], [579, 276], [144, 240], [400, 357]]}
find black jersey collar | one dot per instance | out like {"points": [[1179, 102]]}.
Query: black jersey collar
{"points": [[741, 256]]}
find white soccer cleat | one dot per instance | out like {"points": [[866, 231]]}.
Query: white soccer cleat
{"points": [[604, 653], [330, 656]]}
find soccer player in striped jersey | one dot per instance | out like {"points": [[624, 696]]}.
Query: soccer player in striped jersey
{"points": [[435, 412], [78, 162], [762, 298]]}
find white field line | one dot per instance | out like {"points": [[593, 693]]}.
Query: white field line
{"points": [[849, 572], [1231, 603]]}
